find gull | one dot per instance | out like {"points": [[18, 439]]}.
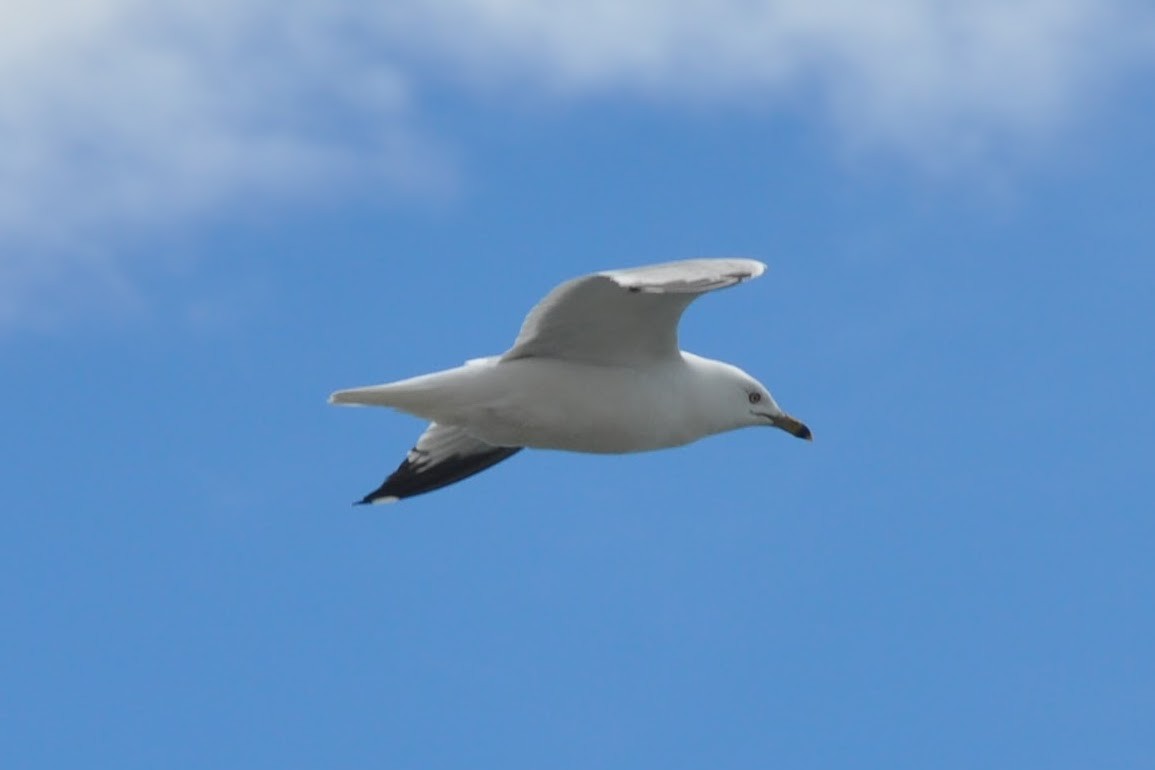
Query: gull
{"points": [[596, 368]]}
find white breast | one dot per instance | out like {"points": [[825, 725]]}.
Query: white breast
{"points": [[551, 404]]}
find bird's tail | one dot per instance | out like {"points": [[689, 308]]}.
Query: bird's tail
{"points": [[426, 396], [371, 395]]}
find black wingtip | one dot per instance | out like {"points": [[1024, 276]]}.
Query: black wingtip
{"points": [[410, 479]]}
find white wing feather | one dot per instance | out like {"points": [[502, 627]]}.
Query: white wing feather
{"points": [[623, 317]]}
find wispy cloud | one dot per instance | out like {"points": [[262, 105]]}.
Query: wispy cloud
{"points": [[122, 114], [117, 115], [913, 76], [123, 111]]}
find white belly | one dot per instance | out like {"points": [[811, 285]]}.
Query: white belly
{"points": [[550, 404]]}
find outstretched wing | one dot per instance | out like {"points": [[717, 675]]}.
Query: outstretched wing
{"points": [[623, 317], [444, 455]]}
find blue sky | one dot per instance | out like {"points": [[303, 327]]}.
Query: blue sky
{"points": [[213, 215]]}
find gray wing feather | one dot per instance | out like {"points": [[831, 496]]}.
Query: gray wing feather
{"points": [[623, 317]]}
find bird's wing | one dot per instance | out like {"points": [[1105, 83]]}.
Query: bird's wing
{"points": [[444, 455], [623, 317]]}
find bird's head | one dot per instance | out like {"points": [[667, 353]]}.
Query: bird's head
{"points": [[747, 402]]}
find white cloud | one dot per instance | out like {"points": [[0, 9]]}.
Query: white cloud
{"points": [[916, 76], [121, 114], [118, 111]]}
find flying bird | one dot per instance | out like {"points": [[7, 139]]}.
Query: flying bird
{"points": [[596, 368]]}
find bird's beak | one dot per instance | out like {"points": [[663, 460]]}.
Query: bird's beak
{"points": [[790, 425]]}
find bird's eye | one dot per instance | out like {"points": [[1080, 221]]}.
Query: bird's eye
{"points": [[755, 397]]}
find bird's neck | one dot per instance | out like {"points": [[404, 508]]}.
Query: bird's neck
{"points": [[707, 401]]}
